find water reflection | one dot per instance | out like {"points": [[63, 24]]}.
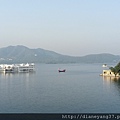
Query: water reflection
{"points": [[110, 81], [111, 78], [10, 75], [12, 79]]}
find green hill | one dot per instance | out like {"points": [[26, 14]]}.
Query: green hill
{"points": [[17, 54]]}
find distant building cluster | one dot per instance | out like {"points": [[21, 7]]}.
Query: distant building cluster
{"points": [[17, 67]]}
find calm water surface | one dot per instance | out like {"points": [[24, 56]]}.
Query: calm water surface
{"points": [[79, 90]]}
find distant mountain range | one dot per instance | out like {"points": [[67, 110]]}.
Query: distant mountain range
{"points": [[18, 54]]}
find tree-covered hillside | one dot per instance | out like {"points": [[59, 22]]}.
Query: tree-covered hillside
{"points": [[16, 54]]}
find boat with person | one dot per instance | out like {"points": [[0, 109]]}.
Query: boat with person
{"points": [[61, 70]]}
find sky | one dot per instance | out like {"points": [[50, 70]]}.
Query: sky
{"points": [[69, 27]]}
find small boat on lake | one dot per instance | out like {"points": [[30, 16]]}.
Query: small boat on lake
{"points": [[104, 65], [61, 70]]}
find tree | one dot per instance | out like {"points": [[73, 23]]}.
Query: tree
{"points": [[116, 69]]}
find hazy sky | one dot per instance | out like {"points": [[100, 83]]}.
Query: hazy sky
{"points": [[70, 27]]}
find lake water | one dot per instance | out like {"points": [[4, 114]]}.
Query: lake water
{"points": [[79, 90]]}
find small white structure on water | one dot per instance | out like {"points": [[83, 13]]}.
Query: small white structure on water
{"points": [[109, 73], [104, 65], [17, 67]]}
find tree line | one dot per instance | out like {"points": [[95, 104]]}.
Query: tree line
{"points": [[116, 69]]}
